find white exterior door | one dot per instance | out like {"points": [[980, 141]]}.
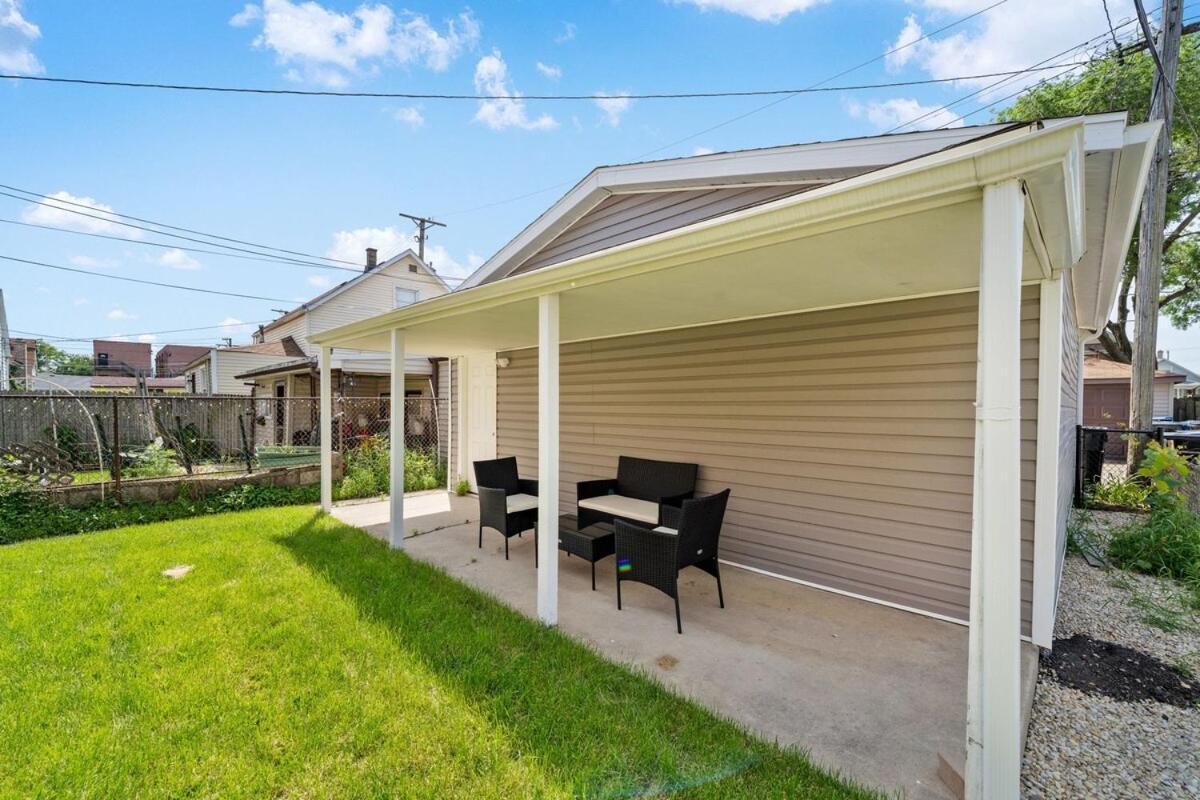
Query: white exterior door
{"points": [[481, 410]]}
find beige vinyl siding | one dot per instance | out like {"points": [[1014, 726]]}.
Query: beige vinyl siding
{"points": [[371, 296], [296, 328], [624, 218], [845, 435], [231, 363], [1072, 397], [444, 409]]}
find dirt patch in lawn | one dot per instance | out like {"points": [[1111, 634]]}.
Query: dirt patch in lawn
{"points": [[1122, 673]]}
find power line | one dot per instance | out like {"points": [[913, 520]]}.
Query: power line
{"points": [[989, 87], [173, 246], [142, 281], [49, 337], [111, 214], [739, 117], [541, 97]]}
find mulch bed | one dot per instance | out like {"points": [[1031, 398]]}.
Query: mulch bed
{"points": [[1122, 673]]}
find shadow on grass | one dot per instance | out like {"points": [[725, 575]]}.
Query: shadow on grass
{"points": [[592, 724]]}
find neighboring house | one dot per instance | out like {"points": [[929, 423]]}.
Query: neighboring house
{"points": [[111, 357], [22, 360], [1106, 392], [1190, 386], [108, 384], [280, 362], [722, 309], [172, 359]]}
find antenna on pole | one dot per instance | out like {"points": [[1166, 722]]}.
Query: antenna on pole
{"points": [[423, 226]]}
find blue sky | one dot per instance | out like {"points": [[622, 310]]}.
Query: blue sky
{"points": [[327, 175]]}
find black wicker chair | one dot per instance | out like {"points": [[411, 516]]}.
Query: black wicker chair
{"points": [[504, 501], [642, 485], [688, 537]]}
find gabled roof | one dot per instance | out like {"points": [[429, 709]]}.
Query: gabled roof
{"points": [[1097, 368], [802, 166], [327, 295], [286, 346]]}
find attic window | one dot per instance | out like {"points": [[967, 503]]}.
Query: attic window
{"points": [[405, 297], [412, 268]]}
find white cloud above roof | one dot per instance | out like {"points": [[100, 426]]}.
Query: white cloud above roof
{"points": [[507, 111], [70, 212], [887, 114], [16, 35], [325, 46], [760, 10], [613, 106]]}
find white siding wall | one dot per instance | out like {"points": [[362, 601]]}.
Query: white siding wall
{"points": [[372, 296], [1072, 399], [231, 363]]}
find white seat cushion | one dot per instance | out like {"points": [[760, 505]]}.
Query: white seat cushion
{"points": [[621, 506], [662, 529], [521, 502]]}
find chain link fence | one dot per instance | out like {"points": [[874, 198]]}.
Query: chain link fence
{"points": [[53, 440]]}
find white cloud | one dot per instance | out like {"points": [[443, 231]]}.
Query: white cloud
{"points": [[614, 106], [551, 71], [886, 114], [16, 35], [88, 262], [491, 78], [903, 47], [62, 210], [410, 116], [118, 314], [568, 33], [177, 259], [760, 10], [702, 151], [318, 281], [1002, 39], [230, 326], [147, 338], [249, 13], [351, 246], [328, 47]]}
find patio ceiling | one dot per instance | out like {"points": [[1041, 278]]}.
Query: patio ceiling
{"points": [[908, 230]]}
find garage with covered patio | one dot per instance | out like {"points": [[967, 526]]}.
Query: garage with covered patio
{"points": [[879, 364]]}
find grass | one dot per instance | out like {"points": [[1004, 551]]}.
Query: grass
{"points": [[301, 658]]}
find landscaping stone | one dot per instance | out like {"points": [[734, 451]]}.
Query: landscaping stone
{"points": [[177, 572], [1082, 741]]}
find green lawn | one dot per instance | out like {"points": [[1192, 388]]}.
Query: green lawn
{"points": [[301, 658]]}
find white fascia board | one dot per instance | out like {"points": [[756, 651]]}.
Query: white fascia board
{"points": [[1132, 169], [1101, 131], [819, 162], [937, 179]]}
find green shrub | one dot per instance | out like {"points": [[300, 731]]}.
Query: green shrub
{"points": [[152, 461], [28, 513], [1167, 541], [368, 470], [463, 487], [1121, 492]]}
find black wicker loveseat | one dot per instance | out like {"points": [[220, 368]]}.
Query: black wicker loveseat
{"points": [[641, 488]]}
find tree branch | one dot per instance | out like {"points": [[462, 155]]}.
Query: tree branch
{"points": [[1181, 227], [1184, 291]]}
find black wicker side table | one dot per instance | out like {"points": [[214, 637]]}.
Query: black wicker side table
{"points": [[592, 543]]}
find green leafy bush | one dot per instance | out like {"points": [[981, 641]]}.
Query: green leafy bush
{"points": [[463, 487], [28, 513], [368, 470], [1167, 541], [152, 461], [1121, 492]]}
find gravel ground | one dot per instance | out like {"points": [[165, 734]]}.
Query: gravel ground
{"points": [[1088, 745]]}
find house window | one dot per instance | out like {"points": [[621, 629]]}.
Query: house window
{"points": [[405, 297], [102, 359]]}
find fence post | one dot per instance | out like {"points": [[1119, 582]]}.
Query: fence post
{"points": [[116, 449]]}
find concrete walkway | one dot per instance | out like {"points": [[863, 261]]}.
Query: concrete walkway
{"points": [[869, 691]]}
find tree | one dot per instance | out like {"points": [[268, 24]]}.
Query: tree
{"points": [[51, 359], [1122, 81]]}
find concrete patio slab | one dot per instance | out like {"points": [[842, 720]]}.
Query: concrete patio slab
{"points": [[873, 692]]}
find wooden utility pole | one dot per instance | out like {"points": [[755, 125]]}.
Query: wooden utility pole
{"points": [[423, 226], [1150, 232]]}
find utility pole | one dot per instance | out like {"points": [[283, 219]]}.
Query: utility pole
{"points": [[1150, 233], [423, 226]]}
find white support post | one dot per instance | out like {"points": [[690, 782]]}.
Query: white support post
{"points": [[396, 438], [547, 574], [326, 438], [993, 664], [1049, 432], [449, 407]]}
